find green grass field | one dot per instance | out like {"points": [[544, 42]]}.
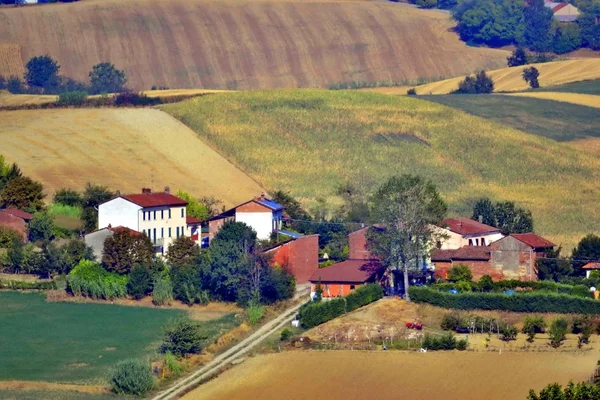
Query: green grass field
{"points": [[73, 342], [310, 141], [585, 87], [56, 395], [555, 120]]}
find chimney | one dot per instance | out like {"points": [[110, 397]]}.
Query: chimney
{"points": [[109, 226], [118, 193], [262, 196], [167, 190], [480, 219], [146, 191]]}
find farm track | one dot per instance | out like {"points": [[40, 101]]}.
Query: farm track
{"points": [[241, 44]]}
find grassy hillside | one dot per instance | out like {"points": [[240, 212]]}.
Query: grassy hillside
{"points": [[511, 80], [235, 44], [125, 149], [589, 100], [309, 142], [583, 87], [548, 118]]}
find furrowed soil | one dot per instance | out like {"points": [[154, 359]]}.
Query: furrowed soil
{"points": [[392, 375], [237, 44], [11, 61], [124, 149]]}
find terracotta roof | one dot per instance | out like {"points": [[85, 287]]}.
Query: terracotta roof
{"points": [[592, 265], [155, 199], [533, 240], [18, 213], [192, 220], [466, 226], [560, 6], [353, 271], [475, 253]]}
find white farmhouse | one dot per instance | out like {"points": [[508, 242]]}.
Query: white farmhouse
{"points": [[462, 232], [160, 216]]}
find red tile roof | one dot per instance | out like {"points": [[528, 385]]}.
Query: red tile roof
{"points": [[159, 199], [473, 253], [560, 7], [192, 221], [533, 240], [18, 213], [592, 265], [466, 226], [352, 271]]}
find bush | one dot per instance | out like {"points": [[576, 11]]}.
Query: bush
{"points": [[558, 330], [461, 344], [481, 83], [485, 284], [172, 364], [187, 285], [132, 377], [182, 337], [8, 237], [68, 197], [139, 283], [533, 324], [531, 75], [447, 341], [91, 280], [460, 273], [411, 92], [526, 302], [129, 98], [255, 312], [451, 321], [508, 332], [76, 99], [286, 334], [162, 294], [362, 296]]}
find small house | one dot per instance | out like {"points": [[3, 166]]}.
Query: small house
{"points": [[462, 232], [589, 267], [563, 12], [16, 220], [342, 278], [516, 255]]}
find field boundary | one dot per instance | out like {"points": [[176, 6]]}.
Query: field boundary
{"points": [[36, 385]]}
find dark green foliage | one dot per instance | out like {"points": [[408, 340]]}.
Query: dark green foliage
{"points": [[554, 391], [293, 208], [508, 332], [451, 321], [588, 24], [277, 284], [513, 219], [41, 227], [140, 282], [582, 324], [187, 285], [105, 78], [532, 325], [132, 377], [125, 249], [89, 279], [538, 23], [528, 302], [426, 3], [485, 283], [286, 334], [518, 57], [75, 99], [481, 83], [14, 85], [460, 273], [558, 329], [566, 38], [129, 99], [182, 337], [530, 75], [22, 193], [2, 82], [183, 251], [587, 250], [485, 209], [411, 92], [68, 197], [8, 237], [42, 72], [93, 196], [552, 267], [162, 292], [446, 341]]}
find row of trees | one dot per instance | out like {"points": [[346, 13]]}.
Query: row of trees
{"points": [[42, 75]]}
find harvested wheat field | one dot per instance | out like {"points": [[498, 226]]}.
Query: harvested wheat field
{"points": [[237, 44], [11, 62], [395, 375], [124, 149], [511, 80], [15, 100], [589, 100]]}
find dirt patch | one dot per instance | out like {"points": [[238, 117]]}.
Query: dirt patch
{"points": [[110, 348], [25, 385], [78, 365]]}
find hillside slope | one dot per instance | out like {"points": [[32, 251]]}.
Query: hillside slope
{"points": [[124, 149], [511, 80], [236, 44], [589, 100], [309, 142]]}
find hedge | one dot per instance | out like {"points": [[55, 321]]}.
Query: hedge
{"points": [[526, 302], [549, 286], [22, 285], [91, 280], [316, 313]]}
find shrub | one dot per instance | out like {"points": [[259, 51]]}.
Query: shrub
{"points": [[162, 294], [451, 321], [558, 330], [533, 324], [68, 197], [447, 341], [362, 296], [286, 334], [64, 210], [530, 75], [255, 312], [461, 344], [139, 283], [460, 273], [8, 237], [182, 337], [76, 99], [172, 364], [129, 98], [411, 92], [91, 280], [481, 83], [131, 377], [485, 284], [583, 325], [508, 332]]}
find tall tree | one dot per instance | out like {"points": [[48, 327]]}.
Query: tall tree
{"points": [[41, 227], [538, 24], [126, 248], [194, 208], [42, 72], [408, 206], [93, 196], [105, 78], [517, 58], [183, 251], [22, 193], [485, 209], [530, 75], [513, 219], [552, 267], [587, 250]]}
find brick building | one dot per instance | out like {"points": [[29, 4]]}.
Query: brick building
{"points": [[477, 258], [342, 278], [516, 255], [299, 256]]}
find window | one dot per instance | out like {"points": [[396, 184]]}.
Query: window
{"points": [[162, 232], [182, 211], [177, 234], [169, 213], [169, 232], [482, 241], [154, 234], [155, 215], [352, 287], [144, 214], [162, 214], [470, 242]]}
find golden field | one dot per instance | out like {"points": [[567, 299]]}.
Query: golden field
{"points": [[310, 142], [11, 62], [511, 80], [359, 375], [15, 100], [237, 44], [124, 149], [589, 100]]}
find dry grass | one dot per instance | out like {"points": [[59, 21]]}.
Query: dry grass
{"points": [[11, 62], [13, 100], [511, 80], [391, 375], [590, 145], [589, 100], [124, 149], [29, 385], [239, 44]]}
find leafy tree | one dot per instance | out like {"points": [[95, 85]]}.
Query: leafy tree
{"points": [[554, 391], [8, 172], [93, 196], [495, 23], [513, 219], [530, 75], [589, 25], [485, 283], [407, 205], [132, 377], [183, 337], [558, 330], [356, 207], [293, 208], [532, 325], [68, 197], [125, 249], [566, 38], [42, 72], [187, 283], [587, 250], [518, 57], [426, 3], [64, 258], [479, 84], [552, 267], [538, 23], [139, 283], [277, 284], [105, 78], [2, 82], [460, 273], [194, 208], [14, 85], [447, 4], [485, 209], [182, 251], [8, 236], [22, 193], [41, 227]]}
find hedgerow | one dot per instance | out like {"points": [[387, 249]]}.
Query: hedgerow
{"points": [[549, 286], [526, 302], [89, 279]]}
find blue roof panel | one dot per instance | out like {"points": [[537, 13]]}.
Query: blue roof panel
{"points": [[270, 204], [293, 235]]}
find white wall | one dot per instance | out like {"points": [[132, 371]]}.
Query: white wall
{"points": [[455, 241], [162, 223], [261, 222], [118, 212]]}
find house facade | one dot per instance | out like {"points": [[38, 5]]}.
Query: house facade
{"points": [[460, 232], [563, 12], [343, 278], [516, 255], [160, 216], [477, 258], [299, 256]]}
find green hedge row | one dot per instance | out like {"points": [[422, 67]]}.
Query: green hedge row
{"points": [[527, 302], [22, 285], [549, 286], [316, 313]]}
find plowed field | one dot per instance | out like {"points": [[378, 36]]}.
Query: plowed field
{"points": [[236, 44], [11, 62], [125, 149]]}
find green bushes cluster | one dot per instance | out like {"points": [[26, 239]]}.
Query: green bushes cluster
{"points": [[500, 286], [532, 325], [132, 377], [558, 330], [75, 99], [447, 341], [182, 337], [22, 285], [527, 302], [316, 313], [162, 293], [255, 313], [89, 279], [129, 98]]}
